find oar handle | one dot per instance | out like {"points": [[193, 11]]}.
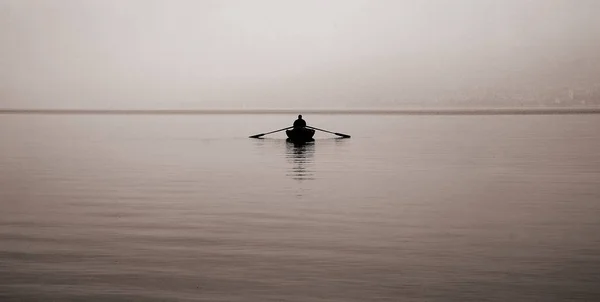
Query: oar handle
{"points": [[262, 134], [277, 130], [340, 134], [320, 129]]}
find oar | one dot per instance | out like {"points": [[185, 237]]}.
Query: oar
{"points": [[339, 134], [259, 135]]}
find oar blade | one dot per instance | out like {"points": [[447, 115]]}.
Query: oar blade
{"points": [[342, 135], [257, 135]]}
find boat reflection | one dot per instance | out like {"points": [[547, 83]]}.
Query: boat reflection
{"points": [[301, 156]]}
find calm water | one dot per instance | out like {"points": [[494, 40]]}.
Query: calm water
{"points": [[411, 208]]}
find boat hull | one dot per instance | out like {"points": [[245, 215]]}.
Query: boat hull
{"points": [[300, 135]]}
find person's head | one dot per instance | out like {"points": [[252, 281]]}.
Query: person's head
{"points": [[300, 116]]}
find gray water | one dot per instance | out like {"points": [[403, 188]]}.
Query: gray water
{"points": [[188, 208]]}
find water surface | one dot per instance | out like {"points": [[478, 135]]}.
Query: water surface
{"points": [[188, 208]]}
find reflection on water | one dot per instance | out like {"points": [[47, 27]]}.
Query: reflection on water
{"points": [[300, 155]]}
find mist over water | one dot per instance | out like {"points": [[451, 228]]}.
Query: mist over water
{"points": [[138, 54], [126, 176]]}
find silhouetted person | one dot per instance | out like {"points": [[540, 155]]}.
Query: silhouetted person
{"points": [[299, 123]]}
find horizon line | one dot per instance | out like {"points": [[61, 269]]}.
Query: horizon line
{"points": [[357, 111]]}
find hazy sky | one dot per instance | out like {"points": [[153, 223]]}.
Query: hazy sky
{"points": [[278, 53]]}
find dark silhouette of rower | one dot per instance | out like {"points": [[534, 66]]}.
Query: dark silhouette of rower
{"points": [[299, 123]]}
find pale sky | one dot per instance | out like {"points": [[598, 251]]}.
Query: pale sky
{"points": [[148, 54]]}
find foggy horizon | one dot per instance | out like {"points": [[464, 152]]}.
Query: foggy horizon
{"points": [[187, 55], [300, 151]]}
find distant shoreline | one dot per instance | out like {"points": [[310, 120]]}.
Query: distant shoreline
{"points": [[445, 111]]}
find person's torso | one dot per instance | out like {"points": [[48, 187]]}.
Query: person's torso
{"points": [[299, 123]]}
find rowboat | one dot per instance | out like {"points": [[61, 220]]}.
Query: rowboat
{"points": [[300, 134]]}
